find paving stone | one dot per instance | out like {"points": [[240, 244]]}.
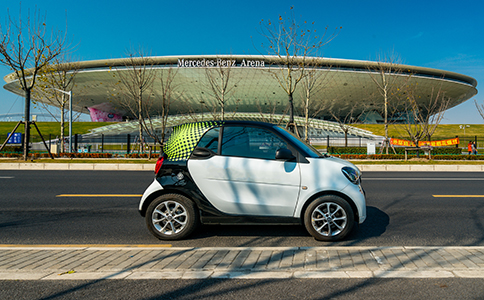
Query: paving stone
{"points": [[264, 258], [238, 262], [287, 259], [92, 263], [228, 259]]}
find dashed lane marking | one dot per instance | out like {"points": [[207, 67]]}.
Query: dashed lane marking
{"points": [[458, 196], [99, 195]]}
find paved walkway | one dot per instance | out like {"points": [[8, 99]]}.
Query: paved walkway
{"points": [[156, 262]]}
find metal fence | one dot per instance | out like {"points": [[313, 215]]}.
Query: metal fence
{"points": [[128, 143], [86, 143]]}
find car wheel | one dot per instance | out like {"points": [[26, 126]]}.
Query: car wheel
{"points": [[172, 217], [329, 218]]}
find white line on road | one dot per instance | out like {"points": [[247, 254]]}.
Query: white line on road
{"points": [[423, 179]]}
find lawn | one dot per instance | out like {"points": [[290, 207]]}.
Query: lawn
{"points": [[51, 128], [442, 132], [397, 131]]}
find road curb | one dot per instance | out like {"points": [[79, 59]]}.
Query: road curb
{"points": [[78, 166], [150, 167], [420, 168]]}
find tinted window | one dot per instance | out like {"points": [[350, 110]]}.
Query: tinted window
{"points": [[250, 142], [210, 139], [310, 150]]}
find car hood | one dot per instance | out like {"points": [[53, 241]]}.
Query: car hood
{"points": [[340, 161]]}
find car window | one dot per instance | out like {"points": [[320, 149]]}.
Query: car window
{"points": [[250, 142], [308, 149], [210, 139]]}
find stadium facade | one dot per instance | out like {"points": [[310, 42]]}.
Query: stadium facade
{"points": [[343, 85]]}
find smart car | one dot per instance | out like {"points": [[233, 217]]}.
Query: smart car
{"points": [[222, 172]]}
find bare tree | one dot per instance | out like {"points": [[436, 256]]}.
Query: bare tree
{"points": [[346, 117], [26, 48], [292, 41], [221, 84], [480, 108], [59, 75], [267, 112], [195, 109], [137, 78], [385, 74], [423, 115], [169, 89], [313, 82]]}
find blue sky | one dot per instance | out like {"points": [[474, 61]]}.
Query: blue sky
{"points": [[447, 35]]}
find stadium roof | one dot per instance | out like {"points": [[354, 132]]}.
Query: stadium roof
{"points": [[344, 84]]}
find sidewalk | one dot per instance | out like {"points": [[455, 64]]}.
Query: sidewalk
{"points": [[151, 167], [163, 262]]}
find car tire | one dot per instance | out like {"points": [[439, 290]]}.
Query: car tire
{"points": [[172, 217], [329, 218]]}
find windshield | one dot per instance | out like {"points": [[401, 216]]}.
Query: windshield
{"points": [[310, 150]]}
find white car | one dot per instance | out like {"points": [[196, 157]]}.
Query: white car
{"points": [[222, 172]]}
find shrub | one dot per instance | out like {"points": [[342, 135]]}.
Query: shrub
{"points": [[398, 150]]}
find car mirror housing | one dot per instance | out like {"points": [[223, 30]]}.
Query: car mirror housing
{"points": [[202, 153], [284, 154]]}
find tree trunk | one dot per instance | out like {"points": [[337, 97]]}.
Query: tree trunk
{"points": [[140, 119], [62, 126], [306, 125], [386, 115], [27, 124], [291, 113]]}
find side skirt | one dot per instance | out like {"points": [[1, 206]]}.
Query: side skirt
{"points": [[248, 220]]}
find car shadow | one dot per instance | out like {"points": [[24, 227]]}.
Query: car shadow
{"points": [[374, 226]]}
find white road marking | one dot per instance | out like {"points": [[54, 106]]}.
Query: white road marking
{"points": [[423, 179]]}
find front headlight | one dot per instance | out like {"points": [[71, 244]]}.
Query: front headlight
{"points": [[352, 174]]}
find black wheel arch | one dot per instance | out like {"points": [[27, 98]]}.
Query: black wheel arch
{"points": [[162, 192], [334, 193]]}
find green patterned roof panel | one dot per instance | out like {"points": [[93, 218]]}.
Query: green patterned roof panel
{"points": [[185, 137]]}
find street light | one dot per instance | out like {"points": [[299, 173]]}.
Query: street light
{"points": [[464, 127], [70, 115]]}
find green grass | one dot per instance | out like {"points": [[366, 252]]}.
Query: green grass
{"points": [[51, 128], [442, 132], [397, 131]]}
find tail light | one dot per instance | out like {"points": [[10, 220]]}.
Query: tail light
{"points": [[159, 163]]}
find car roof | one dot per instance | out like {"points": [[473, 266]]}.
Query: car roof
{"points": [[186, 136]]}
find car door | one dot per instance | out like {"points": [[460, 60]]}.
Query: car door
{"points": [[244, 178]]}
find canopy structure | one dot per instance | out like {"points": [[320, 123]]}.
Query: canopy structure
{"points": [[343, 85]]}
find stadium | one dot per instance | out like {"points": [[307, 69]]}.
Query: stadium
{"points": [[342, 88]]}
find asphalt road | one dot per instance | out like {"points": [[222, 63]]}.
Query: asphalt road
{"points": [[402, 211], [246, 289]]}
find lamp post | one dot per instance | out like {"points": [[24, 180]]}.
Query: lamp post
{"points": [[464, 127], [70, 116]]}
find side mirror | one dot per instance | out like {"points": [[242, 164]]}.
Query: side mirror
{"points": [[202, 153], [284, 154]]}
